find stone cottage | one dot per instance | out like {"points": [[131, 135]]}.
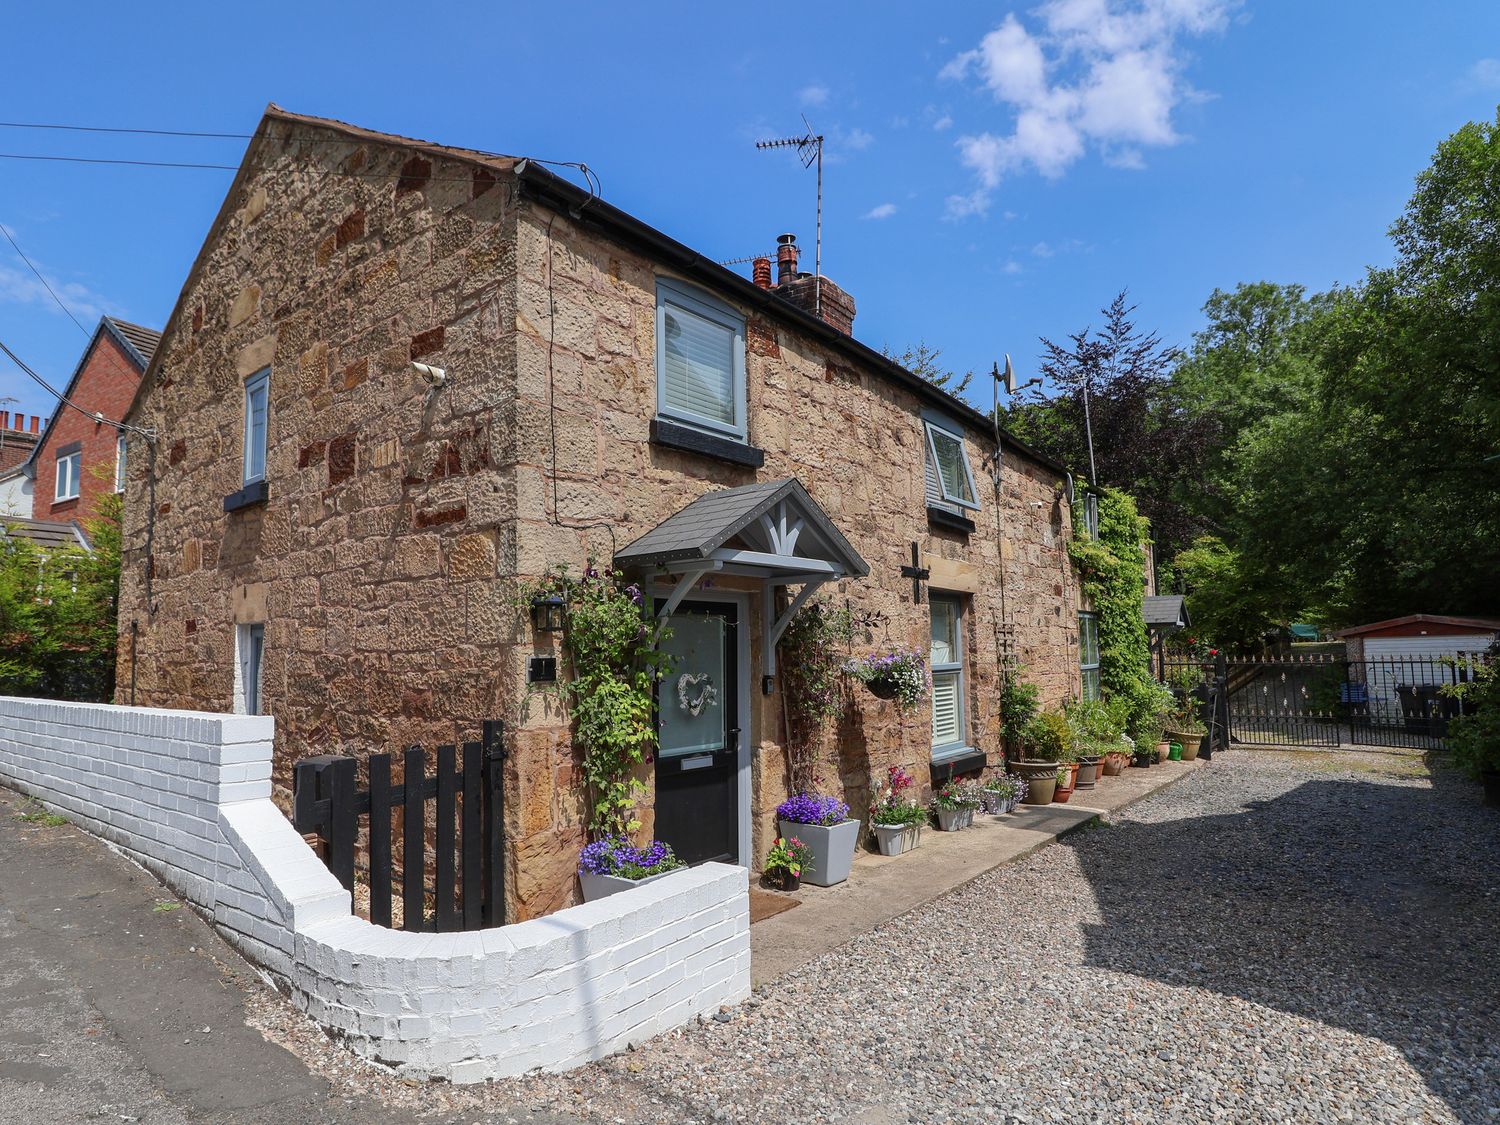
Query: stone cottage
{"points": [[402, 379]]}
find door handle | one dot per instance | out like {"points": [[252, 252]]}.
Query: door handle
{"points": [[734, 738]]}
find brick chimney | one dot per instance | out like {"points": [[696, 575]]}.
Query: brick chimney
{"points": [[760, 273], [818, 296]]}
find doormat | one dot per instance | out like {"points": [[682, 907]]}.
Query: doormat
{"points": [[767, 904]]}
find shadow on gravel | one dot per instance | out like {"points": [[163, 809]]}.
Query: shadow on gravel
{"points": [[1372, 907]]}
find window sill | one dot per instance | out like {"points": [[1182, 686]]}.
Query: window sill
{"points": [[676, 436], [962, 759], [252, 494], [942, 517]]}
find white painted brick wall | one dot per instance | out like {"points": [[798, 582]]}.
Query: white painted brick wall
{"points": [[188, 795]]}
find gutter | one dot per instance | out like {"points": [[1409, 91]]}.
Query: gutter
{"points": [[588, 211]]}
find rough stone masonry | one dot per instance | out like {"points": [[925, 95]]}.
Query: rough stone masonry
{"points": [[399, 520]]}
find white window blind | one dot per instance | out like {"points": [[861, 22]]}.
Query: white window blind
{"points": [[120, 463], [947, 720], [699, 366], [257, 396]]}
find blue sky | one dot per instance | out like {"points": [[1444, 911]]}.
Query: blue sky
{"points": [[995, 172]]}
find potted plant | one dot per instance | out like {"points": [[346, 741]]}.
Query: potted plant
{"points": [[614, 864], [955, 803], [1046, 741], [1066, 772], [1141, 758], [786, 861], [1003, 793], [898, 673], [895, 818], [823, 824]]}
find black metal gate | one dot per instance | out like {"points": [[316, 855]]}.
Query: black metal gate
{"points": [[1324, 700]]}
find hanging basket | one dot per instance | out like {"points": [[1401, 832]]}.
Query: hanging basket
{"points": [[882, 688]]}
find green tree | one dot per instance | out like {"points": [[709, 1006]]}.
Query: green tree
{"points": [[922, 361]]}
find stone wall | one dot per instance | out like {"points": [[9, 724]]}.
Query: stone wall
{"points": [[586, 346], [384, 561], [373, 561]]}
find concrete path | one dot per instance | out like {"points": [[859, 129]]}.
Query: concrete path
{"points": [[122, 1005], [884, 887]]}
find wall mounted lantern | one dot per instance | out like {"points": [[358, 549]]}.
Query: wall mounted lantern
{"points": [[547, 613]]}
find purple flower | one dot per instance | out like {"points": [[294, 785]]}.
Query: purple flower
{"points": [[615, 855], [809, 808]]}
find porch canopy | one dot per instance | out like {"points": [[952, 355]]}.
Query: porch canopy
{"points": [[772, 531]]}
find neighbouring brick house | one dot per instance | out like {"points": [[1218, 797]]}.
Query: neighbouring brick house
{"points": [[324, 532], [17, 443], [80, 457]]}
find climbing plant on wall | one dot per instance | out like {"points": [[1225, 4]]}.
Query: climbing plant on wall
{"points": [[1110, 572], [614, 663]]}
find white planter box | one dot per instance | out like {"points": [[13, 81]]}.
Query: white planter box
{"points": [[602, 886], [897, 838], [832, 849]]}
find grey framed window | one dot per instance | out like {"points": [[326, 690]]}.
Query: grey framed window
{"points": [[1091, 514], [955, 479], [69, 466], [700, 360], [1088, 654], [250, 647], [257, 418], [947, 661], [120, 463]]}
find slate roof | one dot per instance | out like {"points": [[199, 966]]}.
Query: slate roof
{"points": [[713, 519], [141, 340], [1166, 610], [46, 534]]}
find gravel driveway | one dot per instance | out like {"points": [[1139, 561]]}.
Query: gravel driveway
{"points": [[1280, 937]]}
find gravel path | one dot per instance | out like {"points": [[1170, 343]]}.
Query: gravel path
{"points": [[1280, 937]]}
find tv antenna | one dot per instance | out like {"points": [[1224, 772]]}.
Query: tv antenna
{"points": [[746, 258], [809, 148]]}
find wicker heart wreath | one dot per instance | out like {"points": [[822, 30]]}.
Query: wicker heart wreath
{"points": [[707, 697]]}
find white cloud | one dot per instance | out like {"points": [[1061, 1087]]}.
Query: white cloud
{"points": [[814, 94], [1485, 74], [1042, 250], [943, 122], [976, 202], [1093, 74], [882, 211], [1012, 266], [858, 139], [18, 288]]}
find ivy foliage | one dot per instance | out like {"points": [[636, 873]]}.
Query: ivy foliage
{"points": [[614, 663], [57, 613], [1113, 579], [810, 656]]}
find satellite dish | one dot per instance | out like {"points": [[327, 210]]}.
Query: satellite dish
{"points": [[1009, 378], [1070, 490]]}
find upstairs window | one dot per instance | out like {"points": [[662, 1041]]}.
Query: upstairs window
{"points": [[700, 360], [69, 465], [257, 406], [120, 463], [954, 479], [1088, 654]]}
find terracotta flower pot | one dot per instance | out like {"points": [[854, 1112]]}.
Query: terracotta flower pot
{"points": [[1190, 750], [1113, 763], [1065, 790]]}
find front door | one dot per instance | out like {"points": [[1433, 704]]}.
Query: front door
{"points": [[697, 764]]}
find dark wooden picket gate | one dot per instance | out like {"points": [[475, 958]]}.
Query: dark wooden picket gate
{"points": [[467, 858]]}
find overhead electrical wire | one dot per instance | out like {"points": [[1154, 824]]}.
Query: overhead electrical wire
{"points": [[47, 285], [149, 435]]}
